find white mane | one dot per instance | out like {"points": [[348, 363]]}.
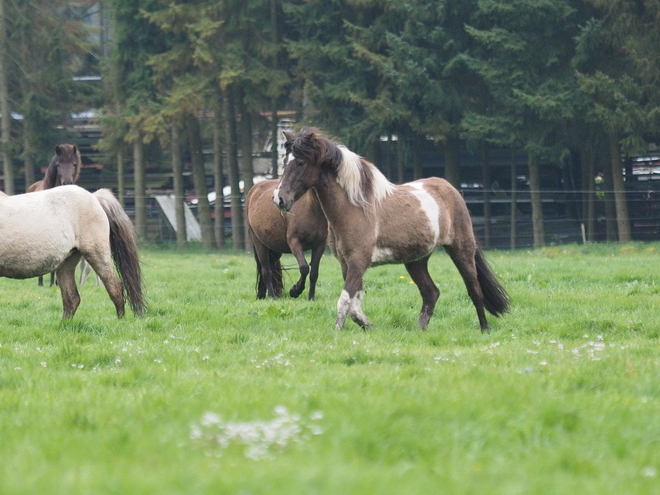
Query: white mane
{"points": [[349, 177]]}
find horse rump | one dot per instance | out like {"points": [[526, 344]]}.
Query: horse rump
{"points": [[496, 299], [123, 246]]}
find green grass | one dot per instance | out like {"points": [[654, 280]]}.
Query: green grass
{"points": [[562, 397]]}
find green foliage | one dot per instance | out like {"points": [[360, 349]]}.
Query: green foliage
{"points": [[561, 397]]}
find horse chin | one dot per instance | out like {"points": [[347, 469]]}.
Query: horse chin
{"points": [[283, 204]]}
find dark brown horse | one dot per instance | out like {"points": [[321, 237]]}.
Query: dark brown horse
{"points": [[273, 233], [63, 169], [374, 222]]}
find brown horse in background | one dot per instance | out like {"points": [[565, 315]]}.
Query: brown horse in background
{"points": [[274, 233], [63, 169], [375, 222]]}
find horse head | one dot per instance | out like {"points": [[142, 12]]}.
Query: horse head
{"points": [[308, 156], [64, 168]]}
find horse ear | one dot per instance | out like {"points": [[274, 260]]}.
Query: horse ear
{"points": [[288, 136], [58, 150], [75, 149]]}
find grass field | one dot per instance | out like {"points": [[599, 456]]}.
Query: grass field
{"points": [[215, 392]]}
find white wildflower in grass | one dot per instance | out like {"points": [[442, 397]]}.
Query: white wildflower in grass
{"points": [[649, 472], [260, 439]]}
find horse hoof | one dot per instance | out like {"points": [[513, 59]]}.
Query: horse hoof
{"points": [[294, 292]]}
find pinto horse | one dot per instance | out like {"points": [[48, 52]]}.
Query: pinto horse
{"points": [[375, 222], [50, 230], [274, 233], [63, 169]]}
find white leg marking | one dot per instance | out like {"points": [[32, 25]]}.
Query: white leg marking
{"points": [[356, 309], [343, 305]]}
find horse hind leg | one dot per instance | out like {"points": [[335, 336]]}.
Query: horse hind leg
{"points": [[464, 259], [66, 278], [419, 272], [101, 263], [297, 250]]}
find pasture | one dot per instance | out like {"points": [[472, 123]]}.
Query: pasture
{"points": [[214, 391]]}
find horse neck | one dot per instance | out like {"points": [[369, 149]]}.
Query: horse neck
{"points": [[336, 206]]}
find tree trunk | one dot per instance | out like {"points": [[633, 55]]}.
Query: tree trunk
{"points": [[391, 154], [237, 225], [274, 137], [418, 171], [245, 143], [589, 215], [401, 158], [514, 199], [218, 175], [619, 188], [177, 177], [453, 161], [28, 157], [537, 205], [5, 122], [485, 177], [199, 178], [121, 186], [140, 190], [610, 208]]}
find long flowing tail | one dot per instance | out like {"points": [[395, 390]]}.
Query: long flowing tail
{"points": [[496, 299], [123, 245], [276, 270]]}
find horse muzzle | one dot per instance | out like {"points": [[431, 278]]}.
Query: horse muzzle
{"points": [[282, 203]]}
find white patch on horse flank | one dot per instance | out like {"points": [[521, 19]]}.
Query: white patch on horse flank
{"points": [[429, 206], [349, 177], [381, 255]]}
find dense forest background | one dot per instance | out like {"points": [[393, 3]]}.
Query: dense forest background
{"points": [[190, 90]]}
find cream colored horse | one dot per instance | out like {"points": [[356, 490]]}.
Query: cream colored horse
{"points": [[50, 230]]}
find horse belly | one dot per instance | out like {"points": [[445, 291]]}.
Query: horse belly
{"points": [[403, 233], [23, 264], [32, 253]]}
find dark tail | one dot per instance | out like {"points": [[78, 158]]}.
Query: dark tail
{"points": [[275, 270], [261, 286], [496, 300], [123, 245]]}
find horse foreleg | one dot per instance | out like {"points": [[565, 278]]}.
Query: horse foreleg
{"points": [[297, 251], [419, 273], [317, 254], [466, 265], [350, 301], [66, 277]]}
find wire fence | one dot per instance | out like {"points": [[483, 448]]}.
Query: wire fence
{"points": [[503, 219]]}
